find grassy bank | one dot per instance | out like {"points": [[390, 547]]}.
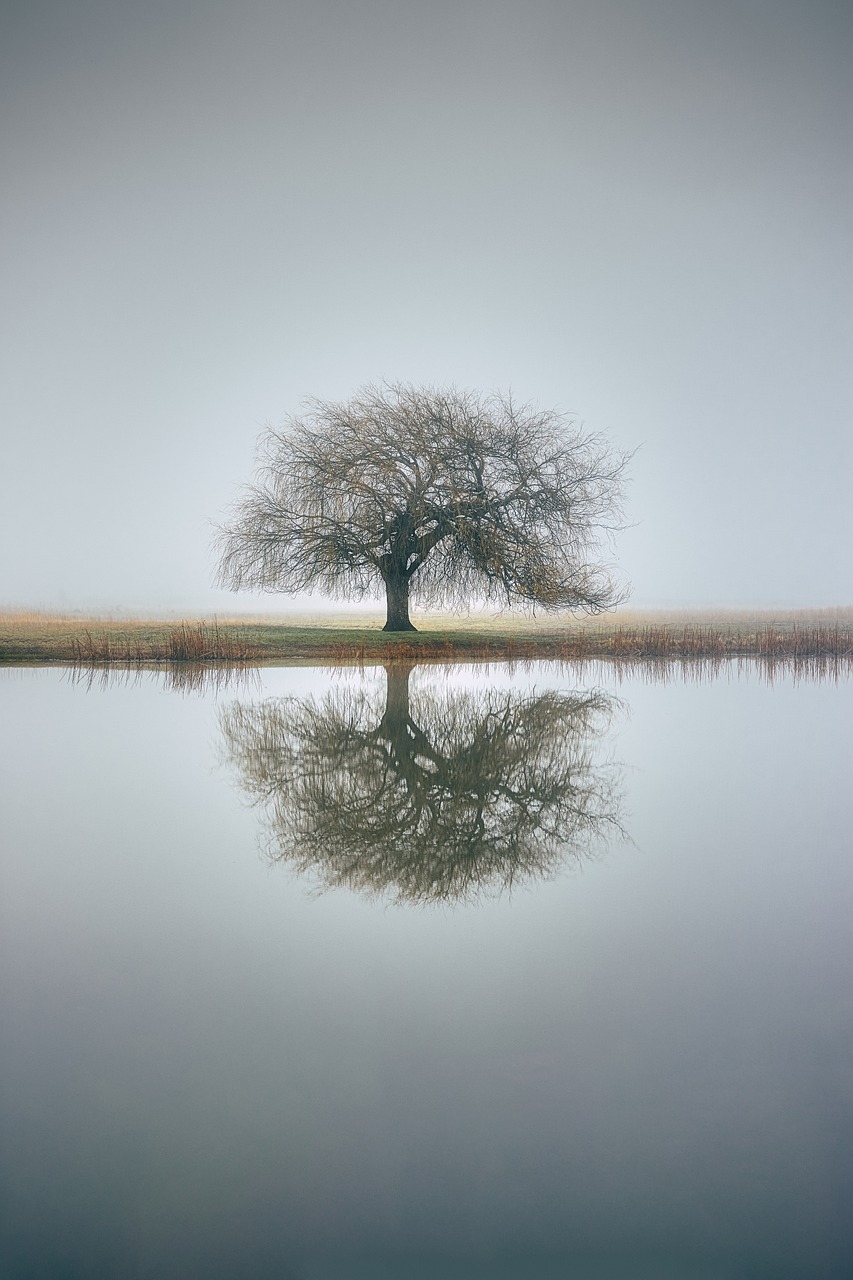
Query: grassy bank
{"points": [[626, 637]]}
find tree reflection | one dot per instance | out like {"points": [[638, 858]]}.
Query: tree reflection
{"points": [[432, 795]]}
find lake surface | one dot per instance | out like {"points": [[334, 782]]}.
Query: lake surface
{"points": [[469, 974]]}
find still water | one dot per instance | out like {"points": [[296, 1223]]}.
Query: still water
{"points": [[469, 974]]}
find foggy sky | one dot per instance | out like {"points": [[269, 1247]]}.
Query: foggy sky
{"points": [[635, 210]]}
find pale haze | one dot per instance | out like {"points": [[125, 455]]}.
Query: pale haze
{"points": [[638, 212]]}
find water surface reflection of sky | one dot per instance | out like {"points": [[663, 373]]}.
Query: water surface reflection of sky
{"points": [[635, 1063]]}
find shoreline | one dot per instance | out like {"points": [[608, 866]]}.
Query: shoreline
{"points": [[28, 639]]}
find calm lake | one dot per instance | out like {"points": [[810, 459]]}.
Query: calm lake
{"points": [[444, 974]]}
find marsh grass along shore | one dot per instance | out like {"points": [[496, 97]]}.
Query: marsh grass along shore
{"points": [[814, 637]]}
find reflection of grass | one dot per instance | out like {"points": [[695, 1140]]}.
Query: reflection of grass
{"points": [[182, 677], [805, 637]]}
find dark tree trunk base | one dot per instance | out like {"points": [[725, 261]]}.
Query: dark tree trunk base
{"points": [[404, 625]]}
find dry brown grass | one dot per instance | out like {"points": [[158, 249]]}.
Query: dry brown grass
{"points": [[193, 642], [35, 637], [621, 644]]}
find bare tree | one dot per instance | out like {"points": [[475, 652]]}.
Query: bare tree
{"points": [[440, 492], [433, 796]]}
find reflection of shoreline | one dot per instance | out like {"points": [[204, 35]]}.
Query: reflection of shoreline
{"points": [[181, 677], [427, 796], [808, 669], [209, 677]]}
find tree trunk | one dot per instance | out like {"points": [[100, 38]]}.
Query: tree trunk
{"points": [[397, 597]]}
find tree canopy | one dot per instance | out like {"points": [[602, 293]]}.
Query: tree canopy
{"points": [[451, 495]]}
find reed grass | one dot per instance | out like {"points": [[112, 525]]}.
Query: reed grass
{"points": [[190, 642], [625, 644]]}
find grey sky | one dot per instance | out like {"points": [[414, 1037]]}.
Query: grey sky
{"points": [[639, 211]]}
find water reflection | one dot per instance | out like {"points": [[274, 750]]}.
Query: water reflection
{"points": [[179, 677], [427, 795]]}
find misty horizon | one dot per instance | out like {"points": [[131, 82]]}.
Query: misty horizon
{"points": [[636, 214]]}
